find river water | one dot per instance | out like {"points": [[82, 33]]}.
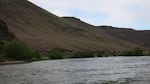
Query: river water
{"points": [[110, 70]]}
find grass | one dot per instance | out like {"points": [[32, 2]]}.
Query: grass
{"points": [[55, 54], [133, 52]]}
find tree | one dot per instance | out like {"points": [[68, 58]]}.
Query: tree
{"points": [[18, 51]]}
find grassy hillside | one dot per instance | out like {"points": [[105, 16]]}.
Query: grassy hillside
{"points": [[44, 31]]}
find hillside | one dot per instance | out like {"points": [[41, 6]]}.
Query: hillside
{"points": [[44, 31], [140, 37]]}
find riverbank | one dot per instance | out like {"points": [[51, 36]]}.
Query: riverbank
{"points": [[13, 51], [13, 62]]}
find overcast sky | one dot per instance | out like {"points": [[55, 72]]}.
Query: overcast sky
{"points": [[121, 13]]}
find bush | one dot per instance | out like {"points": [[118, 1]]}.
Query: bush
{"points": [[18, 51], [126, 53], [2, 50], [101, 54], [149, 53], [55, 54], [138, 52], [82, 55], [135, 52], [35, 55]]}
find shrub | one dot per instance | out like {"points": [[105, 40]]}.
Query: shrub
{"points": [[55, 54], [149, 53], [18, 51], [101, 54], [126, 53], [35, 55], [135, 52], [138, 52], [2, 49], [83, 55]]}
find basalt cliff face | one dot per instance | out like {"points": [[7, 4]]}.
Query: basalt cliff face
{"points": [[5, 35], [44, 31]]}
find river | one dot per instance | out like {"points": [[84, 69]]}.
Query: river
{"points": [[106, 70]]}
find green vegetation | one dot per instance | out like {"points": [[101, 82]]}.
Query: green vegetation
{"points": [[82, 55], [36, 55], [2, 50], [54, 54], [19, 51], [148, 53], [134, 52], [101, 54], [107, 53]]}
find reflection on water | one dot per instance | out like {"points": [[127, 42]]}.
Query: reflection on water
{"points": [[111, 70]]}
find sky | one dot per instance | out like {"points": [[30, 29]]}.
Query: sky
{"points": [[119, 13]]}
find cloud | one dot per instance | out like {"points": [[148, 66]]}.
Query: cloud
{"points": [[122, 13]]}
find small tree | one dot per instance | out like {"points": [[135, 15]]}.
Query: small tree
{"points": [[18, 51], [55, 54], [2, 52], [35, 55], [2, 49]]}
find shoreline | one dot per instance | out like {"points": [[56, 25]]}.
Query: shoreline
{"points": [[13, 62], [23, 62]]}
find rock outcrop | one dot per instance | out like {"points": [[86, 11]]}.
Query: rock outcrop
{"points": [[5, 35]]}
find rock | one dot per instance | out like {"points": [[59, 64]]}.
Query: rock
{"points": [[5, 35]]}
